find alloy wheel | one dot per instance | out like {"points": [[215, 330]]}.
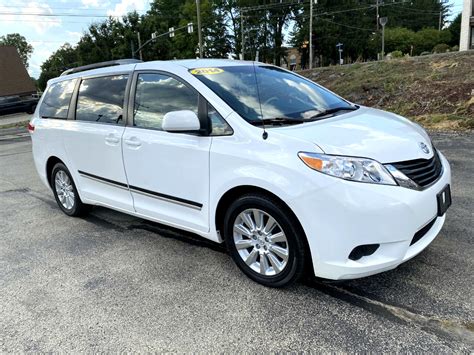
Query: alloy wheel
{"points": [[64, 189], [261, 242]]}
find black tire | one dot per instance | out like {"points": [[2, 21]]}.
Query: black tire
{"points": [[78, 208], [31, 109], [285, 219]]}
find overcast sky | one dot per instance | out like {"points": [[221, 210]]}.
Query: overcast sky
{"points": [[47, 33]]}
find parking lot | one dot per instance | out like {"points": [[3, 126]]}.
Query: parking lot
{"points": [[112, 282]]}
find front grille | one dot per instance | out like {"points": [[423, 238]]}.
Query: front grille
{"points": [[422, 171], [422, 232]]}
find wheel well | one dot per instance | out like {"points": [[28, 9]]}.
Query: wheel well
{"points": [[52, 161], [234, 193]]}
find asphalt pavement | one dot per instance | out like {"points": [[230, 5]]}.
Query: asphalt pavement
{"points": [[112, 282]]}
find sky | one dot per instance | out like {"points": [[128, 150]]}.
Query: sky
{"points": [[48, 24]]}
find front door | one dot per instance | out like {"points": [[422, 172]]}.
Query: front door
{"points": [[168, 173]]}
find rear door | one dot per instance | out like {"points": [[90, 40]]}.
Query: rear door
{"points": [[168, 173], [93, 140]]}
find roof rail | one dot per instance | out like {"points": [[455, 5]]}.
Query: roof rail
{"points": [[109, 63]]}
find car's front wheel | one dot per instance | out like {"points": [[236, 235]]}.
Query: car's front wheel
{"points": [[65, 192], [264, 240]]}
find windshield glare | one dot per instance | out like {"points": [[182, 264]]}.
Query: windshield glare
{"points": [[279, 94]]}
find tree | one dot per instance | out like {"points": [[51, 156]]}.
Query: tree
{"points": [[455, 29], [416, 14], [22, 46], [428, 38], [399, 39], [64, 58]]}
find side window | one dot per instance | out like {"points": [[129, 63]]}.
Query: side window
{"points": [[101, 99], [56, 100], [219, 126], [158, 94]]}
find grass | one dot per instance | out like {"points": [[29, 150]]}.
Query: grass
{"points": [[14, 125], [436, 91]]}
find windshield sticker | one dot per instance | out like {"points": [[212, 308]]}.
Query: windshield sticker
{"points": [[206, 71]]}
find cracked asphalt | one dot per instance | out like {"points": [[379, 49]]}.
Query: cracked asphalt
{"points": [[112, 282]]}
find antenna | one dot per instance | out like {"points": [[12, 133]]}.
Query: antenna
{"points": [[265, 133]]}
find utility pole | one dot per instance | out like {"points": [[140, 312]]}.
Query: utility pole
{"points": [[377, 14], [339, 48], [440, 20], [383, 22], [242, 33], [140, 46], [198, 9]]}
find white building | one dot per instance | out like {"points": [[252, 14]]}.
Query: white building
{"points": [[467, 26]]}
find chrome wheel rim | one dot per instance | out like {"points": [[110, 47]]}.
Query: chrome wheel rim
{"points": [[261, 242], [64, 189]]}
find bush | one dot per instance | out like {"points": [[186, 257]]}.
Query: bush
{"points": [[455, 48], [441, 48], [427, 38], [396, 54], [399, 39]]}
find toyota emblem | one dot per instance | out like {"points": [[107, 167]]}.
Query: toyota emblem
{"points": [[424, 148]]}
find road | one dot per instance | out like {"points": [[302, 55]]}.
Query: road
{"points": [[112, 282]]}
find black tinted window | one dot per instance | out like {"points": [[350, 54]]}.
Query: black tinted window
{"points": [[219, 126], [56, 100], [101, 99], [158, 94]]}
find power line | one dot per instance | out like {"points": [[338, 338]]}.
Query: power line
{"points": [[58, 15]]}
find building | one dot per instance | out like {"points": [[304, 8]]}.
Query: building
{"points": [[467, 26], [14, 79]]}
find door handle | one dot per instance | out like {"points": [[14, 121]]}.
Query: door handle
{"points": [[133, 142], [111, 139]]}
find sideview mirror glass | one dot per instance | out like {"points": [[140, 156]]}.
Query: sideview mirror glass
{"points": [[181, 121]]}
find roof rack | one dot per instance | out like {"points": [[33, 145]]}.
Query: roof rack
{"points": [[109, 63]]}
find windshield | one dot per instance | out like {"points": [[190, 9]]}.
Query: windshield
{"points": [[279, 94]]}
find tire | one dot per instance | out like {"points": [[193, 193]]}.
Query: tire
{"points": [[271, 267], [31, 109], [65, 192]]}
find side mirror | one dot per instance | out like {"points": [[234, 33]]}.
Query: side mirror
{"points": [[181, 121]]}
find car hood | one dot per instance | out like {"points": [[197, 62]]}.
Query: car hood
{"points": [[366, 132]]}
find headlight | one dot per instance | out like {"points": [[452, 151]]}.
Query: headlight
{"points": [[348, 168]]}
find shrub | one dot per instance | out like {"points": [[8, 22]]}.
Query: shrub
{"points": [[399, 39], [396, 54], [441, 48], [427, 38]]}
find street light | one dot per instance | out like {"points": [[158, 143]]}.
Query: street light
{"points": [[171, 33], [383, 21]]}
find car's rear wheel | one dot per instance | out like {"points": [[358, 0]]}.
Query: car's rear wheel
{"points": [[65, 192], [264, 240]]}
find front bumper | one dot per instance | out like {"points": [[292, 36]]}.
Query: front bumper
{"points": [[346, 214]]}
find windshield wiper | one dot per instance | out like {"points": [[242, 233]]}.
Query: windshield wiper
{"points": [[333, 110], [278, 121]]}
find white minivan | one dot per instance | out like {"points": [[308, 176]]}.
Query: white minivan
{"points": [[289, 175]]}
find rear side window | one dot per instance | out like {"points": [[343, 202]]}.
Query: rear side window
{"points": [[101, 99], [56, 100]]}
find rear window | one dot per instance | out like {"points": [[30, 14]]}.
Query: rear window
{"points": [[56, 100], [101, 99]]}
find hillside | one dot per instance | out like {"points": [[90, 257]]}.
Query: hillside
{"points": [[437, 90]]}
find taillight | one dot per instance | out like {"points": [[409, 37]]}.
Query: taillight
{"points": [[30, 127]]}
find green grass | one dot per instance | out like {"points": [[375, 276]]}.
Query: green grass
{"points": [[13, 125], [436, 90]]}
